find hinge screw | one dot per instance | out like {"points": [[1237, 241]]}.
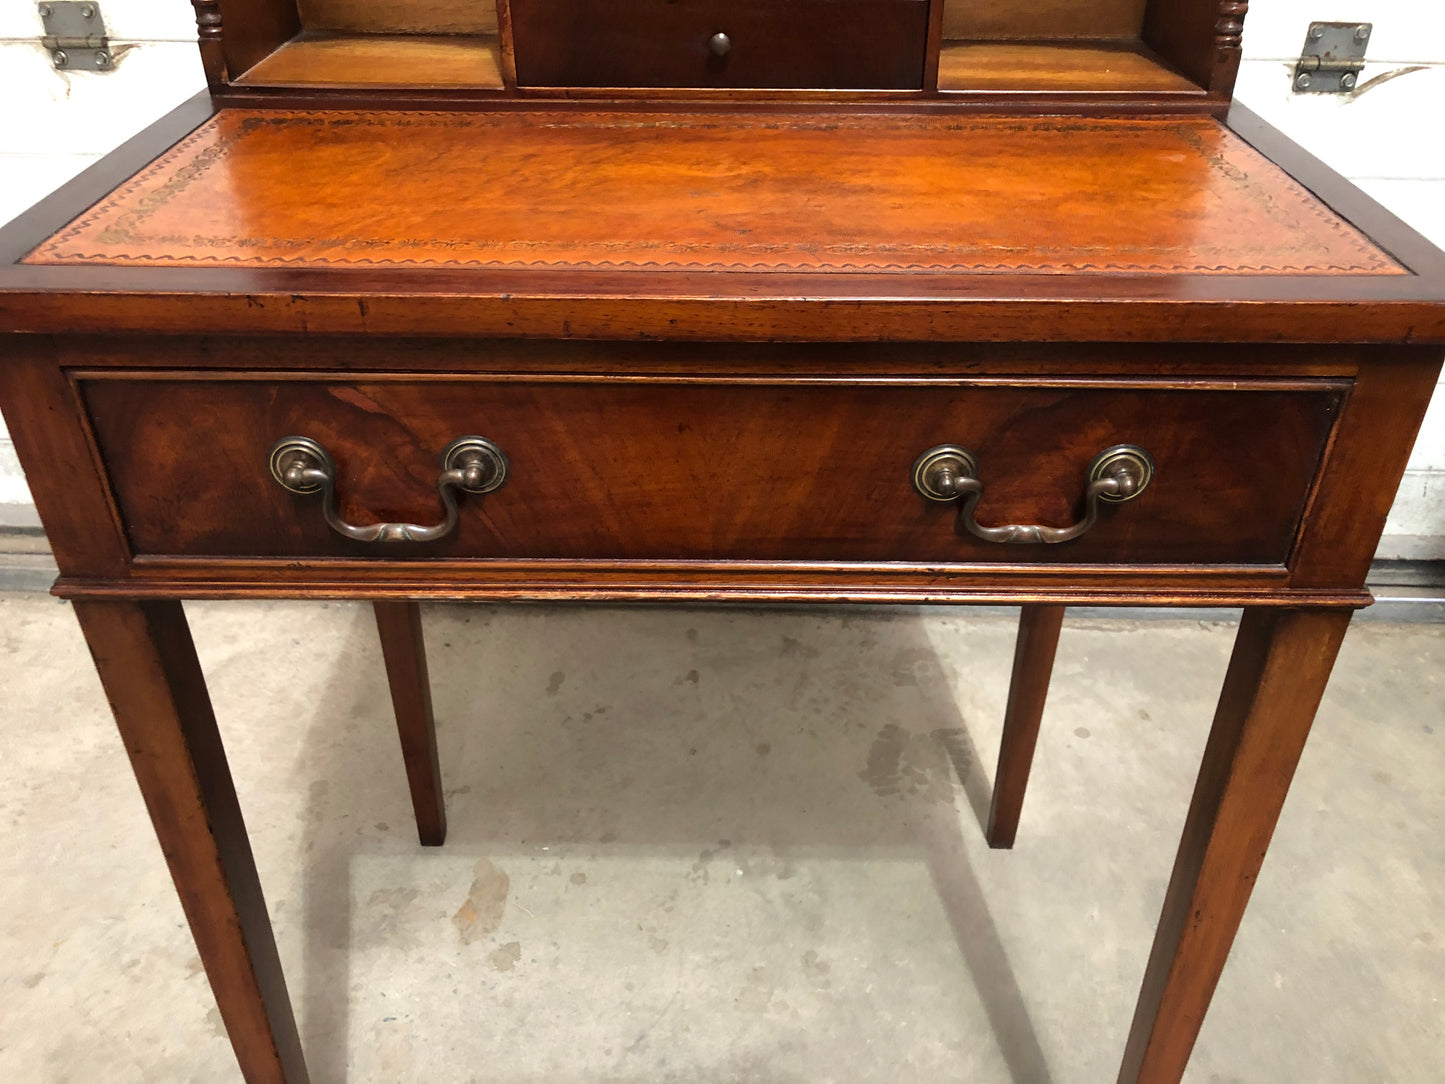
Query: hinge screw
{"points": [[1303, 80], [60, 57], [1317, 31], [1361, 33], [102, 58], [87, 12], [45, 11], [1348, 80]]}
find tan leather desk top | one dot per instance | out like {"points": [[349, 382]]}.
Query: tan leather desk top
{"points": [[620, 190]]}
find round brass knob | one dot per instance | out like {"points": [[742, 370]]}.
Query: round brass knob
{"points": [[482, 464], [1129, 466], [720, 44], [938, 471]]}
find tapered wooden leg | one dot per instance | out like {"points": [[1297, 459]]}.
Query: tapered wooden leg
{"points": [[399, 624], [148, 667], [1033, 663], [1277, 675]]}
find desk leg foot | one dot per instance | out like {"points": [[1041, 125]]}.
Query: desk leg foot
{"points": [[1276, 678], [148, 666], [1033, 664], [399, 624]]}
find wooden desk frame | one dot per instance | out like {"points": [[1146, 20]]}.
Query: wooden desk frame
{"points": [[1295, 616]]}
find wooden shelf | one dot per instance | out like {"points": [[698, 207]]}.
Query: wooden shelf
{"points": [[1095, 67], [320, 59]]}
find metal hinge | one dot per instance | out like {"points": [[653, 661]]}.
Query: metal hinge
{"points": [[75, 35], [1333, 57]]}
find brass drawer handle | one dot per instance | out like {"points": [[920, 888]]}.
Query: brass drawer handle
{"points": [[473, 464], [948, 472]]}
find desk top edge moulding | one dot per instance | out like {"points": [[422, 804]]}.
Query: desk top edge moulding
{"points": [[847, 301]]}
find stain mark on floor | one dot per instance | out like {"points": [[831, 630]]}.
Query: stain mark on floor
{"points": [[505, 957], [926, 766], [816, 970], [481, 912]]}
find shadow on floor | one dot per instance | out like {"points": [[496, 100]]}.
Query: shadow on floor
{"points": [[656, 734]]}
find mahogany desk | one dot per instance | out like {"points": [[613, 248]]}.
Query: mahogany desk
{"points": [[777, 352]]}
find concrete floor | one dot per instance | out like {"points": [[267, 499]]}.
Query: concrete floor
{"points": [[719, 845]]}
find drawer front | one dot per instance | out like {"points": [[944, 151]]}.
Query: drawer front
{"points": [[678, 469], [831, 44]]}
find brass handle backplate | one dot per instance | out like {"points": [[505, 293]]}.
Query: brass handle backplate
{"points": [[471, 464], [950, 473]]}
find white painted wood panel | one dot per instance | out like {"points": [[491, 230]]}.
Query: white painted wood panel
{"points": [[1417, 522], [1378, 134], [29, 178], [1419, 201], [1404, 30], [125, 20], [51, 112]]}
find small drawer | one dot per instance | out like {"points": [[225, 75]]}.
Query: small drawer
{"points": [[664, 468], [823, 44]]}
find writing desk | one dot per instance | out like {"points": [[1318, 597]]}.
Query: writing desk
{"points": [[1103, 348]]}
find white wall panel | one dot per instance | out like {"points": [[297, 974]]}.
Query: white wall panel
{"points": [[1419, 201], [125, 20], [1417, 522], [1385, 132], [16, 509], [1405, 30], [29, 178], [51, 112]]}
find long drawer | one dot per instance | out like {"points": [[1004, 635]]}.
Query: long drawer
{"points": [[833, 44], [686, 468]]}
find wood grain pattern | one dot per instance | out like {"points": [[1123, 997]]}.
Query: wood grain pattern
{"points": [[1202, 38], [370, 60], [620, 582], [148, 666], [662, 469], [1276, 678], [251, 30], [1356, 490], [400, 16], [1036, 19], [403, 649], [998, 19], [832, 44], [1033, 664], [615, 190], [61, 468], [1034, 66]]}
